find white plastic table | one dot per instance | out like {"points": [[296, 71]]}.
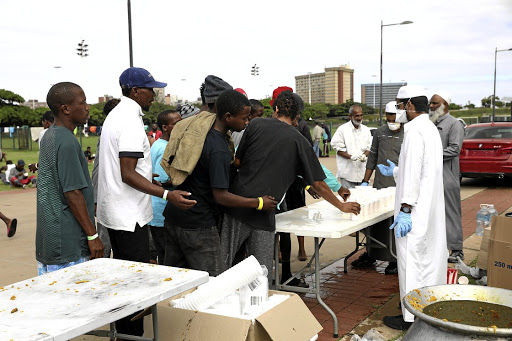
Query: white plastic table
{"points": [[322, 220], [76, 300]]}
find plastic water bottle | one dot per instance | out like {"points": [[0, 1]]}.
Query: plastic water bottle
{"points": [[492, 211], [482, 219]]}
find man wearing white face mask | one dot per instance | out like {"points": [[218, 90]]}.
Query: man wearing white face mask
{"points": [[386, 144], [352, 142], [452, 134], [419, 202]]}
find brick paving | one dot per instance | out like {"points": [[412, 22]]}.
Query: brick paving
{"points": [[360, 292]]}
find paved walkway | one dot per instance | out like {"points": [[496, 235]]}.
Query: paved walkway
{"points": [[359, 298], [360, 293]]}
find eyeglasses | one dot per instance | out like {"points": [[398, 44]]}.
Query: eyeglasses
{"points": [[397, 106]]}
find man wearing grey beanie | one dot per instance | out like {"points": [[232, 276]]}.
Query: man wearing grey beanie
{"points": [[213, 87]]}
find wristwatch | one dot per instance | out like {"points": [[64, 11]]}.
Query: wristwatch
{"points": [[405, 209]]}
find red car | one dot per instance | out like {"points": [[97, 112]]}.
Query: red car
{"points": [[487, 150]]}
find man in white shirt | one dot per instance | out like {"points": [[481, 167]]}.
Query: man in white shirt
{"points": [[352, 142], [46, 121], [125, 177]]}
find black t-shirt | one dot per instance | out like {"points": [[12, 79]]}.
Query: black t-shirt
{"points": [[212, 171], [272, 154]]}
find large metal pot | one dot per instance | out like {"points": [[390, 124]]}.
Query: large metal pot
{"points": [[426, 327]]}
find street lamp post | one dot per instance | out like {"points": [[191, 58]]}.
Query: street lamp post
{"points": [[309, 86], [255, 70], [82, 49], [373, 91], [380, 90], [494, 93], [130, 32]]}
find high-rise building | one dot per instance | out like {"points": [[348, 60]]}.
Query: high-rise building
{"points": [[173, 99], [335, 85], [370, 93], [105, 98]]}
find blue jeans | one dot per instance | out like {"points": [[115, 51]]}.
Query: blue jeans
{"points": [[44, 269], [316, 148]]}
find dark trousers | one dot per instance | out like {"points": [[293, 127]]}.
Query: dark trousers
{"points": [[132, 246], [194, 248], [159, 240]]}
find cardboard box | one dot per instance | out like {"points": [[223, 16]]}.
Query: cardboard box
{"points": [[499, 264], [289, 321], [484, 250]]}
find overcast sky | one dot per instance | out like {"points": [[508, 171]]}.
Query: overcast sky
{"points": [[450, 46]]}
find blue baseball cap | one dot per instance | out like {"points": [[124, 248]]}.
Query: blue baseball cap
{"points": [[140, 78]]}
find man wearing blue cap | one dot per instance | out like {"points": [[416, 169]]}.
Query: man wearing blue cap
{"points": [[125, 177]]}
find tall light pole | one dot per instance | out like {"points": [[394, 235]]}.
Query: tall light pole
{"points": [[309, 86], [374, 91], [380, 90], [130, 32], [494, 93]]}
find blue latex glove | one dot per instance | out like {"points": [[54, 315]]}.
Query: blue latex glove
{"points": [[402, 223], [364, 184], [387, 170]]}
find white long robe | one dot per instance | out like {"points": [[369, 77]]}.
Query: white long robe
{"points": [[422, 254]]}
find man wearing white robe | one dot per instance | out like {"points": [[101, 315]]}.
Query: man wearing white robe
{"points": [[419, 205]]}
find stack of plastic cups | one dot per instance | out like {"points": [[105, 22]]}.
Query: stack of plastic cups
{"points": [[226, 283]]}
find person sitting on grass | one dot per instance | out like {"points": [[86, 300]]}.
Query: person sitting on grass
{"points": [[10, 223], [4, 172], [19, 176], [89, 155]]}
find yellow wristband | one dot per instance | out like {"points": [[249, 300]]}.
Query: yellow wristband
{"points": [[260, 206], [92, 237], [308, 187]]}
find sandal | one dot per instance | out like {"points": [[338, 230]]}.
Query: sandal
{"points": [[11, 231]]}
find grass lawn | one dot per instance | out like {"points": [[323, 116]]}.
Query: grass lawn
{"points": [[32, 156]]}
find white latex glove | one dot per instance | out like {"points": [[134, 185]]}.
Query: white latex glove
{"points": [[363, 158], [355, 157]]}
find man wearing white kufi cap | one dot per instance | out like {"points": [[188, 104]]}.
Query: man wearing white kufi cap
{"points": [[452, 134], [419, 205]]}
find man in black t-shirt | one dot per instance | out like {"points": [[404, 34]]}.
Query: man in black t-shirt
{"points": [[271, 154], [191, 236]]}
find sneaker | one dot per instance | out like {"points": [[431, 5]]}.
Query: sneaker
{"points": [[396, 322], [391, 269], [364, 261], [24, 186], [454, 254]]}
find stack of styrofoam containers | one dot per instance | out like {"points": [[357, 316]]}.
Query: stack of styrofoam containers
{"points": [[372, 200], [224, 284]]}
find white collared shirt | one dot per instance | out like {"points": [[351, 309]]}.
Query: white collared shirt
{"points": [[355, 142], [120, 206]]}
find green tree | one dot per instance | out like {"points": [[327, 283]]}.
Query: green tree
{"points": [[9, 97], [454, 106], [469, 105], [487, 101]]}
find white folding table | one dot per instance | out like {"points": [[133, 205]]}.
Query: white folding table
{"points": [[321, 220], [76, 300]]}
